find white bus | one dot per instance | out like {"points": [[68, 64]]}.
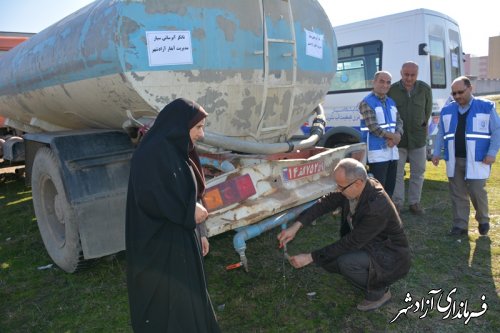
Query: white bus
{"points": [[426, 37]]}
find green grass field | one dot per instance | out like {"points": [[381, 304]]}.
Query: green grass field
{"points": [[496, 99], [272, 296]]}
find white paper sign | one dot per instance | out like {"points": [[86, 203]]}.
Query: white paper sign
{"points": [[169, 48], [454, 60], [314, 44], [481, 123]]}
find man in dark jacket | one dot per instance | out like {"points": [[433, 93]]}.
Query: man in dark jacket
{"points": [[414, 102], [373, 251]]}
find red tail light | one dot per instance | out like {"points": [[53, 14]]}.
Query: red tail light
{"points": [[229, 192]]}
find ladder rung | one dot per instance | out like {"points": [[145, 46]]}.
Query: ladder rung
{"points": [[285, 41]]}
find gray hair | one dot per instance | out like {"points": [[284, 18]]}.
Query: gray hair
{"points": [[353, 169], [410, 63], [381, 72]]}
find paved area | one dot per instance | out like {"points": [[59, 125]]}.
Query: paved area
{"points": [[5, 167]]}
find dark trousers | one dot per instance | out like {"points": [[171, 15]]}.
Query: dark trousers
{"points": [[354, 267], [385, 173]]}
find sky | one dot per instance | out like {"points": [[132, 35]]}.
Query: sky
{"points": [[478, 20]]}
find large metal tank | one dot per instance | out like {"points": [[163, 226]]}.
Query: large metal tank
{"points": [[259, 67]]}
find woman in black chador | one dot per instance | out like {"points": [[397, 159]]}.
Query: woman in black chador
{"points": [[165, 277]]}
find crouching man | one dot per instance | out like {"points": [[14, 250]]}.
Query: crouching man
{"points": [[373, 251]]}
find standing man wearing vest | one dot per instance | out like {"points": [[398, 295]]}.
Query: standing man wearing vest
{"points": [[469, 130], [414, 102], [381, 130]]}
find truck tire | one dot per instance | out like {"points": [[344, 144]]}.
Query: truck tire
{"points": [[2, 141], [55, 217]]}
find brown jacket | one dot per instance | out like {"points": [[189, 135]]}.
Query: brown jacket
{"points": [[377, 229]]}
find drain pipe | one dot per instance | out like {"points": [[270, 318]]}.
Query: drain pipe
{"points": [[237, 145], [254, 230]]}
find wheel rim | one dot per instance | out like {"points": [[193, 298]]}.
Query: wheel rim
{"points": [[53, 212]]}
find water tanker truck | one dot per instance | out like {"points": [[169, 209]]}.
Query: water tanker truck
{"points": [[86, 89]]}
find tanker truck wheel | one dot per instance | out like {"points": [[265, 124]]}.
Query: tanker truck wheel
{"points": [[340, 140], [2, 141], [55, 217]]}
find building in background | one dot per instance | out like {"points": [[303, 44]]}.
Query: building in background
{"points": [[476, 67], [485, 71], [10, 39], [494, 58]]}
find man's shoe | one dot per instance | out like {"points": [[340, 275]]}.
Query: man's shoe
{"points": [[455, 231], [416, 209], [484, 228], [367, 305]]}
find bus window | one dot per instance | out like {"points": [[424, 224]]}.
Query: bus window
{"points": [[455, 51], [356, 67], [438, 66]]}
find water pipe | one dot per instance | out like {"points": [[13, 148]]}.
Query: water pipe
{"points": [[245, 233], [234, 144], [224, 166]]}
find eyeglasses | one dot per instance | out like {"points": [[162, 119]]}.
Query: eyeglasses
{"points": [[341, 189], [459, 92]]}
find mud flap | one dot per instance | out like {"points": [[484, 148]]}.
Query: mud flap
{"points": [[95, 167]]}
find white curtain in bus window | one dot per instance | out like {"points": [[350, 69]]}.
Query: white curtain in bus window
{"points": [[438, 65]]}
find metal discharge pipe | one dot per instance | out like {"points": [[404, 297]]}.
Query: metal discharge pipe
{"points": [[254, 230], [225, 142]]}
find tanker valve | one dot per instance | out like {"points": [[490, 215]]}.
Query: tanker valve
{"points": [[243, 262]]}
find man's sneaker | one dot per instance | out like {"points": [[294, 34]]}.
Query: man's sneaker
{"points": [[484, 228], [367, 305], [455, 231], [416, 209]]}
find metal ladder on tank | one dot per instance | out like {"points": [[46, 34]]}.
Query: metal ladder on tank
{"points": [[268, 41]]}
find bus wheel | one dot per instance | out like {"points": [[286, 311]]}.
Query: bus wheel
{"points": [[55, 217]]}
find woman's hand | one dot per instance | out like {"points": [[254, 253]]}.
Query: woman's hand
{"points": [[200, 213], [205, 246]]}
